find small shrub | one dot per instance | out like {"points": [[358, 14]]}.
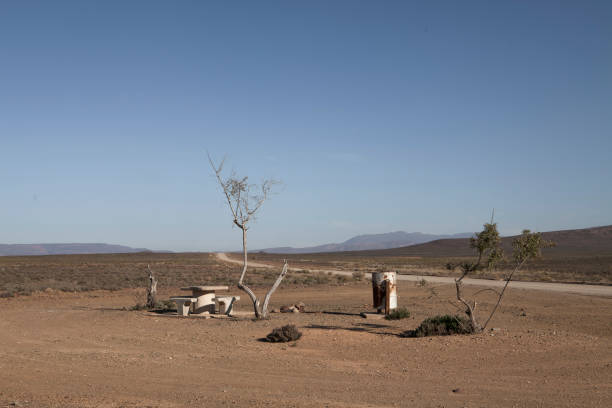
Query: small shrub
{"points": [[138, 306], [284, 334], [160, 306], [322, 279], [397, 314], [441, 326], [358, 275], [342, 278], [165, 305]]}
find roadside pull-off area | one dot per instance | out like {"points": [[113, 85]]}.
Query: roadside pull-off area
{"points": [[591, 290]]}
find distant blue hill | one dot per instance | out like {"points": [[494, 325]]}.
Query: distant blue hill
{"points": [[60, 249], [370, 241]]}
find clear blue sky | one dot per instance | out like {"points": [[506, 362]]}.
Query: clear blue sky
{"points": [[377, 116]]}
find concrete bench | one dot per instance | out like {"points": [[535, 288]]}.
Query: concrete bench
{"points": [[205, 295], [226, 303], [183, 304]]}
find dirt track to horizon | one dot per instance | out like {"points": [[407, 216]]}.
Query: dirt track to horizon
{"points": [[82, 350], [583, 289]]}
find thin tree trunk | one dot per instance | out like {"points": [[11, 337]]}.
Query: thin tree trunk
{"points": [[499, 299], [264, 309], [470, 310], [241, 285], [151, 290]]}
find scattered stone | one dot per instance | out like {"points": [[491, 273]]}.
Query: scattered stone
{"points": [[375, 316], [297, 308]]}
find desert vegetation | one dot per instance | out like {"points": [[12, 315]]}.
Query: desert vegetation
{"points": [[444, 325], [284, 334], [23, 275], [487, 245], [399, 313]]}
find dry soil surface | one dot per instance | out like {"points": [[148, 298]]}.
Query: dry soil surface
{"points": [[82, 350]]}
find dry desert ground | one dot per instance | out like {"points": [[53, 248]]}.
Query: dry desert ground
{"points": [[84, 350]]}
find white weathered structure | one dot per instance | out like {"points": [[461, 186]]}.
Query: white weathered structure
{"points": [[384, 291]]}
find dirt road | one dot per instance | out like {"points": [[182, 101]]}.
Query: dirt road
{"points": [[591, 290]]}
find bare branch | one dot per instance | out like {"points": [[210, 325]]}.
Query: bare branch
{"points": [[455, 306], [273, 289], [485, 290], [469, 309], [501, 295], [224, 185]]}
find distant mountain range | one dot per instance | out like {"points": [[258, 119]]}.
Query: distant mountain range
{"points": [[587, 241], [370, 242], [595, 241], [57, 249]]}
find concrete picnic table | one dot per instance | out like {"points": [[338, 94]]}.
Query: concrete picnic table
{"points": [[205, 296]]}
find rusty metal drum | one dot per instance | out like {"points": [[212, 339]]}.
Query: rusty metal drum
{"points": [[384, 291]]}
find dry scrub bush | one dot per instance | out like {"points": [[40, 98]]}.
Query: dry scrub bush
{"points": [[341, 279], [284, 334], [445, 325], [398, 314], [358, 275]]}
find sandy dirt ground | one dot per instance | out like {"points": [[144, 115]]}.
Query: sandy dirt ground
{"points": [[82, 350]]}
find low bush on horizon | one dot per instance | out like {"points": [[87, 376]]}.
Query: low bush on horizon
{"points": [[571, 268], [24, 275]]}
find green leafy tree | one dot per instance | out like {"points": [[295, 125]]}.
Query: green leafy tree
{"points": [[487, 244]]}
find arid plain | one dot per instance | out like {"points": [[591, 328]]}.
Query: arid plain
{"points": [[86, 348]]}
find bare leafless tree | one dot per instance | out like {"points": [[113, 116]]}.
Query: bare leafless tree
{"points": [[244, 200]]}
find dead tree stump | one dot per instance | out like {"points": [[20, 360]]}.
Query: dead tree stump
{"points": [[151, 290]]}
